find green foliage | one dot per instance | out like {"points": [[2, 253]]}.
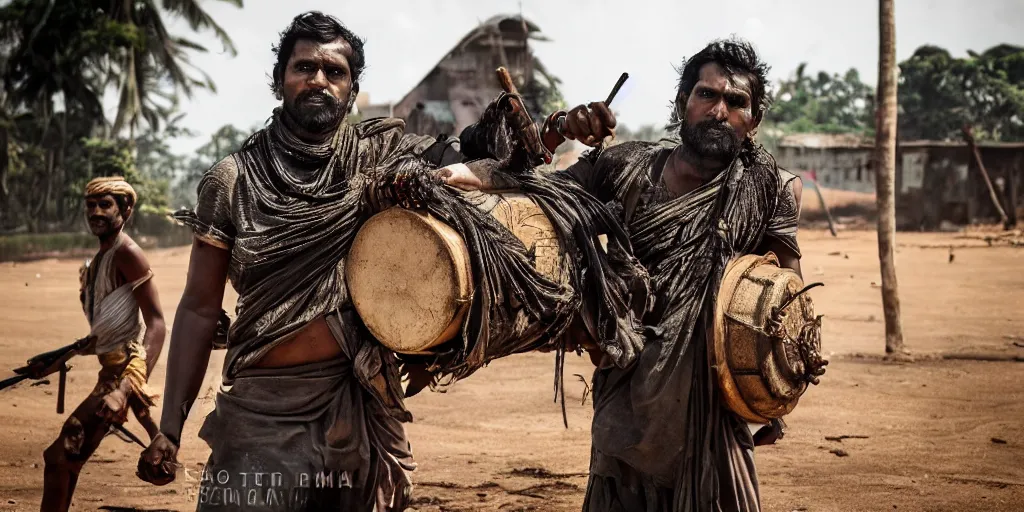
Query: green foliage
{"points": [[823, 103], [103, 157], [223, 142], [23, 246], [150, 73], [939, 93], [58, 58]]}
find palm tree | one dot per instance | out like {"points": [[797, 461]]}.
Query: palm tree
{"points": [[49, 61], [56, 62], [885, 163], [159, 57]]}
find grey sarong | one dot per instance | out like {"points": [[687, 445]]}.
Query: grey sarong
{"points": [[305, 438]]}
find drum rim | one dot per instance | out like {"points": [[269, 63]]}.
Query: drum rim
{"points": [[734, 271]]}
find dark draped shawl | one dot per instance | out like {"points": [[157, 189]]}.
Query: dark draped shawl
{"points": [[288, 229], [659, 424]]}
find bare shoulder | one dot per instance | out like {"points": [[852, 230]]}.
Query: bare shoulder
{"points": [[131, 260], [792, 184]]}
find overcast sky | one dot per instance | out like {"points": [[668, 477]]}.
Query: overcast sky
{"points": [[593, 41]]}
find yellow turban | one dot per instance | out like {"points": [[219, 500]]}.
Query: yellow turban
{"points": [[114, 185]]}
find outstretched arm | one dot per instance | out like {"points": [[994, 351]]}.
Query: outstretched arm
{"points": [[589, 124]]}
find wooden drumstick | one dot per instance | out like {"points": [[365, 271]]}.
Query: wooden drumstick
{"points": [[615, 90], [505, 79], [521, 122]]}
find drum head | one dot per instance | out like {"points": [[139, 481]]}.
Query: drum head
{"points": [[408, 276]]}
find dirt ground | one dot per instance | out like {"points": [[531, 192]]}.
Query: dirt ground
{"points": [[939, 434]]}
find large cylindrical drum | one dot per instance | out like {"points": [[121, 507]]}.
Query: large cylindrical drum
{"points": [[766, 339], [409, 274]]}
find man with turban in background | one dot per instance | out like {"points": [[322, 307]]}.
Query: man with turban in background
{"points": [[116, 286]]}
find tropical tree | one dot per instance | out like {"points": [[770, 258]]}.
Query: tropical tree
{"points": [[939, 94], [823, 103], [159, 57], [885, 163], [57, 62], [226, 140]]}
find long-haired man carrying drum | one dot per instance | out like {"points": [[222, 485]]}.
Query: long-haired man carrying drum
{"points": [[662, 439]]}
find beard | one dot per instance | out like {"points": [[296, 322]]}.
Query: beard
{"points": [[315, 111], [103, 226], [711, 140]]}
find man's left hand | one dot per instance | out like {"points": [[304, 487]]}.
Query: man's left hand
{"points": [[114, 408], [589, 124], [460, 176], [770, 433]]}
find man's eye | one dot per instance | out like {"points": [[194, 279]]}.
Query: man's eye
{"points": [[704, 93], [735, 102]]}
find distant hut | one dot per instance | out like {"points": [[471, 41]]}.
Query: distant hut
{"points": [[455, 92]]}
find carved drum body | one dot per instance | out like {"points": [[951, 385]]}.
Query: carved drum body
{"points": [[767, 338]]}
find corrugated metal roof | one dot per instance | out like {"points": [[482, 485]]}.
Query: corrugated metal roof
{"points": [[853, 141], [824, 140]]}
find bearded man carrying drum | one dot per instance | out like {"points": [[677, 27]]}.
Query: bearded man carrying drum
{"points": [[662, 439], [664, 436], [310, 414]]}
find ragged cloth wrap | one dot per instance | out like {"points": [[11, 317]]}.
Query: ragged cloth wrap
{"points": [[309, 422], [662, 440], [515, 308], [289, 222], [288, 229], [115, 324]]}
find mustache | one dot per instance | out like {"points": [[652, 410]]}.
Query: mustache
{"points": [[714, 126], [99, 218], [308, 96]]}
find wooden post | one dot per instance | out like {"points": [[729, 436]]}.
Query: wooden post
{"points": [[1011, 185], [885, 183], [969, 137], [828, 214]]}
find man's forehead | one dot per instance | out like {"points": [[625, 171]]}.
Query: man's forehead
{"points": [[339, 48], [714, 75]]}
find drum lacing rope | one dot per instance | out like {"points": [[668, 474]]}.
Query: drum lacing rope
{"points": [[808, 342], [560, 378]]}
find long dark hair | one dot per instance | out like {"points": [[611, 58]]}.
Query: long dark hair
{"points": [[736, 56]]}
